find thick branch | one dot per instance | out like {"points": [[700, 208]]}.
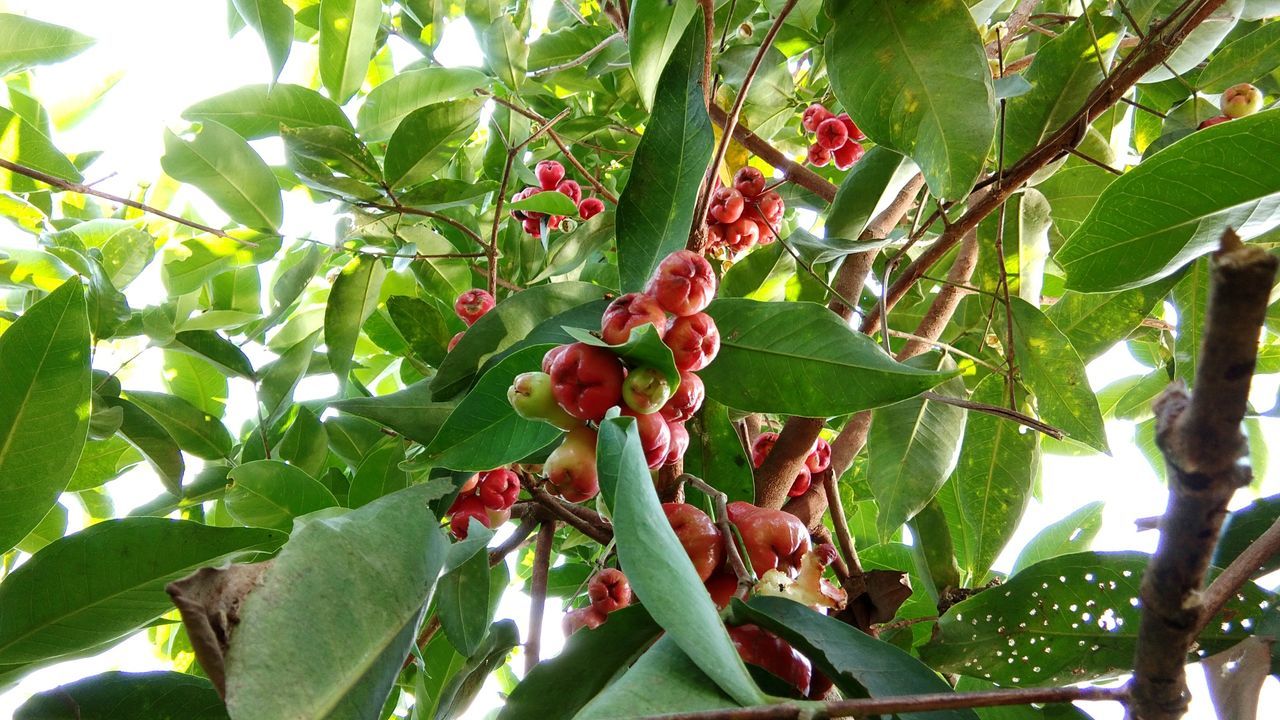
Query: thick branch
{"points": [[791, 170], [538, 592], [1202, 444]]}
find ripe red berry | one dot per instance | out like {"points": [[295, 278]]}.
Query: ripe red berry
{"points": [[655, 437], [814, 115], [550, 358], [590, 207], [587, 380], [499, 489], [473, 304], [721, 586], [585, 617], [849, 154], [818, 156], [571, 189], [726, 205], [679, 442], [855, 133], [609, 591], [629, 311], [715, 236], [532, 227], [773, 538], [461, 512], [770, 652], [1213, 121], [742, 235], [699, 536], [772, 207], [802, 482], [683, 283], [694, 341], [832, 134], [749, 181], [761, 447], [453, 341], [571, 468], [549, 173], [820, 457], [687, 398], [646, 390]]}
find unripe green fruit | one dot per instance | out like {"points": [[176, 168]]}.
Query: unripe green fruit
{"points": [[530, 395], [1241, 100], [646, 390]]}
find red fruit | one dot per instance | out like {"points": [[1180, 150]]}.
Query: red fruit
{"points": [[587, 380], [1213, 121], [818, 156], [773, 538], [463, 509], [570, 188], [814, 116], [770, 652], [684, 283], [726, 205], [525, 194], [532, 227], [832, 134], [473, 304], [575, 620], [721, 586], [646, 390], [749, 181], [742, 235], [679, 442], [694, 341], [802, 482], [771, 207], [848, 155], [549, 173], [819, 685], [609, 591], [571, 468], [687, 398], [629, 311], [761, 447], [531, 397], [655, 437], [767, 235], [469, 486], [499, 489], [550, 358], [699, 536], [553, 222], [820, 457], [715, 236], [521, 215], [590, 207], [854, 132], [453, 341]]}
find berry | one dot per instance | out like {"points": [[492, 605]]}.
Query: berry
{"points": [[532, 227], [521, 215], [549, 173], [749, 181], [1218, 120], [818, 156], [461, 512], [814, 116], [699, 536], [726, 205], [571, 189], [587, 380], [771, 207], [694, 341], [609, 591], [832, 134], [453, 341], [655, 437], [721, 587], [629, 311], [686, 400], [761, 447], [715, 236], [774, 539], [679, 442], [683, 284], [575, 620], [531, 396], [472, 305], [846, 156], [470, 485], [854, 132], [549, 359], [646, 390], [590, 207], [499, 489], [802, 482], [742, 235], [1241, 100], [571, 468], [820, 457], [770, 652]]}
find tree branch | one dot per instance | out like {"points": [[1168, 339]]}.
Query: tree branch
{"points": [[572, 515], [1245, 566], [746, 579], [538, 592], [791, 170]]}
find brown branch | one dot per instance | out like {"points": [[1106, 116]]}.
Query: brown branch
{"points": [[81, 189], [792, 170], [598, 530], [397, 207], [1015, 21], [708, 40], [599, 187], [538, 592], [1245, 566], [1002, 412], [746, 580], [857, 585], [581, 60], [518, 538], [1202, 444]]}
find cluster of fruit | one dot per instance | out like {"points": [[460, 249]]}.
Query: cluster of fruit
{"points": [[608, 591], [487, 497], [1237, 101], [819, 459], [835, 137], [470, 307], [580, 382], [744, 215], [550, 176]]}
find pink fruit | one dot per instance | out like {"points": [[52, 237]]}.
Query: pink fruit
{"points": [[694, 341], [609, 591], [571, 189], [499, 489], [473, 304], [749, 181], [655, 437], [630, 311], [832, 134], [590, 207], [686, 400], [571, 468], [818, 156], [679, 442], [814, 116], [849, 154], [726, 205], [549, 173], [683, 284], [587, 380]]}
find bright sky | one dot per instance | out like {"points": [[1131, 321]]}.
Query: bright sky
{"points": [[168, 55]]}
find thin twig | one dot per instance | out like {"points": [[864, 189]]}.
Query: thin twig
{"points": [[857, 584], [1094, 161], [761, 148], [599, 532], [399, 208], [538, 592], [1240, 571], [998, 411], [581, 60]]}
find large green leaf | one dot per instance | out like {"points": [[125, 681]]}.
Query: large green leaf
{"points": [[643, 348], [409, 412], [1248, 59], [869, 187], [1191, 299], [330, 628], [389, 103], [427, 139], [120, 569], [25, 42], [463, 602], [657, 566], [1094, 322], [273, 21], [654, 31], [195, 431], [271, 494], [258, 111], [484, 432], [663, 681], [379, 474], [803, 360], [281, 377], [1174, 206], [921, 87], [24, 143], [655, 211], [225, 168], [1071, 534], [337, 148], [44, 407], [103, 461], [503, 636], [113, 695], [153, 440], [716, 453], [351, 301], [505, 49], [348, 34], [857, 663], [209, 345]]}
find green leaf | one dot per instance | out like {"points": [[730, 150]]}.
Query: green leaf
{"points": [[869, 187], [1094, 322], [657, 566], [923, 87], [663, 681], [1174, 206], [222, 165], [484, 432], [463, 602], [643, 348], [103, 461], [1242, 527], [209, 345], [1055, 375], [409, 412], [195, 431], [1248, 59], [271, 494], [805, 361], [716, 454], [326, 621], [857, 663], [305, 444], [25, 42], [571, 250], [505, 49], [35, 269], [378, 475], [469, 681], [1191, 299], [1065, 620], [591, 657], [273, 21], [258, 111], [153, 441], [351, 301], [550, 203], [655, 211], [23, 143], [390, 102], [336, 148], [348, 37], [120, 569], [427, 139], [911, 449], [282, 376], [111, 695], [44, 407], [655, 28], [1073, 533]]}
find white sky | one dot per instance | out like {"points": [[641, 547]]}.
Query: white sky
{"points": [[172, 54]]}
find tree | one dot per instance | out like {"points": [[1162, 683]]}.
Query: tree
{"points": [[571, 292]]}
